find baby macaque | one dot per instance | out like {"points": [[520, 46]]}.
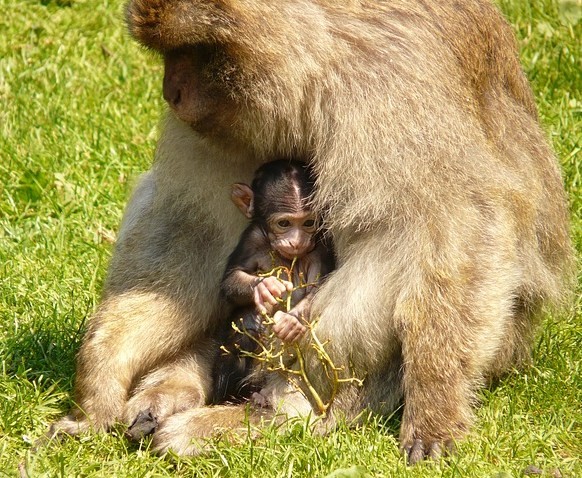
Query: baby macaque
{"points": [[283, 232]]}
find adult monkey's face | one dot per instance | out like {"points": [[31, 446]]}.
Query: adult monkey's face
{"points": [[195, 89], [231, 76]]}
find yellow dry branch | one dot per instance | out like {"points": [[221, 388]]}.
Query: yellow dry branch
{"points": [[278, 356]]}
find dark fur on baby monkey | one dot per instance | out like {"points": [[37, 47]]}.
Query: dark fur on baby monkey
{"points": [[283, 231]]}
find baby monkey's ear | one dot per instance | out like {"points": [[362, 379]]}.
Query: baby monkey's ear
{"points": [[242, 197]]}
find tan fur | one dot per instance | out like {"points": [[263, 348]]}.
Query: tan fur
{"points": [[440, 192]]}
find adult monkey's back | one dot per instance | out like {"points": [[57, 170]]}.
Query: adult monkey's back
{"points": [[443, 199]]}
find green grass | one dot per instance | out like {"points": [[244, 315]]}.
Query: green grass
{"points": [[79, 104]]}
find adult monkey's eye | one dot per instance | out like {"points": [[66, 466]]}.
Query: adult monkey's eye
{"points": [[284, 223]]}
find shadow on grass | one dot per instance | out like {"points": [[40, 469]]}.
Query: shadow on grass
{"points": [[44, 350]]}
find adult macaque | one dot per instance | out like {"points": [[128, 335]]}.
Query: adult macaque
{"points": [[283, 232], [443, 200]]}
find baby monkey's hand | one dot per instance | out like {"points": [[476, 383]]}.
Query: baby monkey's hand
{"points": [[267, 291], [287, 327]]}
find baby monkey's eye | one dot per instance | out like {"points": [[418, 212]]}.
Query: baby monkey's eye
{"points": [[309, 223], [283, 223]]}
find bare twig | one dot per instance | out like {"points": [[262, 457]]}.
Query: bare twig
{"points": [[279, 356]]}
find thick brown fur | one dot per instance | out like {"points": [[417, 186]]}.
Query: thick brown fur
{"points": [[442, 197]]}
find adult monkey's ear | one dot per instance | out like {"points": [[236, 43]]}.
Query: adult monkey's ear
{"points": [[242, 197]]}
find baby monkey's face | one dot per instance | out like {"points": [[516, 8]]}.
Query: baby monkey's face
{"points": [[292, 234]]}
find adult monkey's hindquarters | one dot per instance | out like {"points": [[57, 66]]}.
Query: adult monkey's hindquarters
{"points": [[442, 197]]}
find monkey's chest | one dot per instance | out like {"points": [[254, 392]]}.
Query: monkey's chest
{"points": [[301, 273]]}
